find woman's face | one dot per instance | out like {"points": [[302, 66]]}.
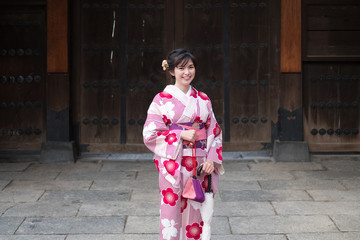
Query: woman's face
{"points": [[184, 74]]}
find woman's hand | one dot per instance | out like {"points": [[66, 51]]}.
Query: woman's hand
{"points": [[208, 167], [189, 135]]}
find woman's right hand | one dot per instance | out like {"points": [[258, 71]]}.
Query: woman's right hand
{"points": [[189, 135]]}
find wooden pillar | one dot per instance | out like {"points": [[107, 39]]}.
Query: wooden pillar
{"points": [[57, 87], [290, 112], [290, 35], [57, 147]]}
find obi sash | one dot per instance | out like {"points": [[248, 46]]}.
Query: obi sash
{"points": [[200, 132]]}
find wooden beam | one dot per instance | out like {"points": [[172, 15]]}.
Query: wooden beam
{"points": [[290, 35], [57, 36]]}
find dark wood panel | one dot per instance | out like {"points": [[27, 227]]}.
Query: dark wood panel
{"points": [[100, 78], [145, 52], [333, 17], [205, 39], [331, 104], [22, 72], [331, 30], [253, 73], [333, 44]]}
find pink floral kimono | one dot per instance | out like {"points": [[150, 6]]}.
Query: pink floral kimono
{"points": [[180, 218]]}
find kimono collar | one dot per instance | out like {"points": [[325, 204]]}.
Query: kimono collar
{"points": [[189, 102], [178, 94]]}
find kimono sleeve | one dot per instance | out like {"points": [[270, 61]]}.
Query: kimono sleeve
{"points": [[214, 139], [157, 137]]}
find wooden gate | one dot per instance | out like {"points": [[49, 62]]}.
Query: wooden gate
{"points": [[331, 75], [117, 66], [22, 73]]}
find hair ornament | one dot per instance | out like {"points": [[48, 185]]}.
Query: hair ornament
{"points": [[165, 65]]}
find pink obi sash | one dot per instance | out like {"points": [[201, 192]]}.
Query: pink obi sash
{"points": [[200, 132]]}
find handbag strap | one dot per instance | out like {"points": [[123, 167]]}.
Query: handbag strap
{"points": [[194, 159]]}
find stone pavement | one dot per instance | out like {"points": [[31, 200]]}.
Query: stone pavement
{"points": [[108, 200]]}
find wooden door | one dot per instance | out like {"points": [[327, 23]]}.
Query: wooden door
{"points": [[331, 75], [236, 42], [120, 49], [22, 73]]}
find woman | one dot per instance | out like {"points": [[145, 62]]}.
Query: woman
{"points": [[166, 134]]}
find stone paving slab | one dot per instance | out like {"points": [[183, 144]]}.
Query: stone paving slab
{"points": [[325, 236], [40, 176], [124, 184], [334, 195], [5, 206], [220, 226], [352, 184], [235, 166], [21, 185], [302, 184], [137, 166], [151, 224], [8, 225], [80, 167], [20, 196], [42, 209], [119, 209], [288, 166], [85, 196], [330, 175], [256, 175], [338, 165], [347, 223], [32, 237], [243, 209], [4, 183], [148, 176], [317, 208], [79, 225], [142, 224], [14, 167], [281, 224], [249, 237], [101, 176], [150, 195], [114, 237], [238, 185], [264, 195], [334, 157]]}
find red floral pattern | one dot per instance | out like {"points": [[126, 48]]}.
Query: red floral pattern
{"points": [[219, 152], [171, 138], [193, 231], [157, 164], [183, 203], [171, 166], [207, 124], [217, 130], [163, 133], [193, 93], [165, 95], [187, 162], [198, 120], [169, 197], [205, 183], [166, 120], [203, 96]]}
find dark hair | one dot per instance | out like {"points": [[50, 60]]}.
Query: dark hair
{"points": [[180, 55]]}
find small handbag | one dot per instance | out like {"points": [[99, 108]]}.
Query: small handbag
{"points": [[193, 189]]}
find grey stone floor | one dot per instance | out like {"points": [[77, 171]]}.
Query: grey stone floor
{"points": [[108, 200]]}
